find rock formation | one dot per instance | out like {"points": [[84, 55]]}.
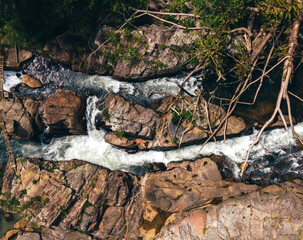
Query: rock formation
{"points": [[175, 122], [108, 204], [143, 53], [25, 118]]}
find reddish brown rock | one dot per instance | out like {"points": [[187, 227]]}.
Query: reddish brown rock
{"points": [[20, 116], [186, 185], [147, 129], [15, 58], [63, 113], [31, 82], [273, 214]]}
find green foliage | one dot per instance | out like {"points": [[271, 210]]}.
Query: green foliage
{"points": [[178, 6], [175, 141], [23, 191], [34, 181], [87, 204], [120, 134], [105, 114], [45, 201], [37, 199], [185, 115], [28, 22], [222, 15], [26, 206]]}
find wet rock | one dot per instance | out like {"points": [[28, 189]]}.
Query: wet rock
{"points": [[123, 142], [10, 234], [63, 113], [154, 167], [186, 185], [31, 82], [127, 118], [15, 58]]}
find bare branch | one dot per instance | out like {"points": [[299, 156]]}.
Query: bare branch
{"points": [[167, 13]]}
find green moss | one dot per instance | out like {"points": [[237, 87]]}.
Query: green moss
{"points": [[45, 201], [120, 134], [37, 199], [300, 234], [23, 191], [175, 141], [105, 114], [26, 206]]}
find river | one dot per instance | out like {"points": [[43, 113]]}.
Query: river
{"points": [[281, 158]]}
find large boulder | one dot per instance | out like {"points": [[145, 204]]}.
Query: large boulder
{"points": [[175, 122], [31, 82], [63, 113], [15, 58], [20, 116]]}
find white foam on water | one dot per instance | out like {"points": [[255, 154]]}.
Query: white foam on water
{"points": [[11, 79], [93, 147]]}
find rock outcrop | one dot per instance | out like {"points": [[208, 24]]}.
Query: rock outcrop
{"points": [[25, 118], [143, 53], [105, 204], [20, 116], [175, 122], [63, 112], [273, 213], [15, 58]]}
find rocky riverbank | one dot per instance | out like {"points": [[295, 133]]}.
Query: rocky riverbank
{"points": [[187, 200]]}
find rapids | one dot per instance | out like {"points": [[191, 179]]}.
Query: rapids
{"points": [[281, 159]]}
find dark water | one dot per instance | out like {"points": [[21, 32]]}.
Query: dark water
{"points": [[7, 224]]}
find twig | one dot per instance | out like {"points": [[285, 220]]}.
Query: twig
{"points": [[283, 119], [295, 96], [175, 24], [167, 13]]}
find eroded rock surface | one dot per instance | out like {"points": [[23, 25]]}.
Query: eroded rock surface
{"points": [[174, 123], [186, 185], [63, 112], [273, 213], [65, 196], [20, 116], [143, 53], [15, 58]]}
